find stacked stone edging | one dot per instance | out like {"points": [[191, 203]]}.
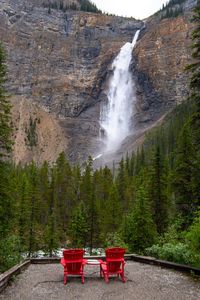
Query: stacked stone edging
{"points": [[8, 275]]}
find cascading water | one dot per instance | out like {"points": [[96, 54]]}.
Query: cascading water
{"points": [[116, 115]]}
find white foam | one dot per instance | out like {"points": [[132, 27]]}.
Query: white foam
{"points": [[115, 117]]}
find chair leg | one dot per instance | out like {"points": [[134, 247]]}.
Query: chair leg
{"points": [[82, 279], [65, 279], [65, 275], [123, 277], [101, 272], [106, 277]]}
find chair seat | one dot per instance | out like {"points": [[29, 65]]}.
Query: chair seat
{"points": [[116, 268]]}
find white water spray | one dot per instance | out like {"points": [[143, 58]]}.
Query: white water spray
{"points": [[116, 115]]}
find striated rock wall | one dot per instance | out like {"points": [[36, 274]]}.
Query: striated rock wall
{"points": [[59, 68], [38, 135], [161, 57], [58, 62]]}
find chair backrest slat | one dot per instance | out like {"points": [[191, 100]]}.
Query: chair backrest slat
{"points": [[115, 253], [73, 254], [73, 259]]}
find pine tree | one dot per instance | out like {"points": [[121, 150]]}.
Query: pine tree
{"points": [[122, 183], [51, 228], [6, 204], [139, 160], [158, 191], [64, 193], [34, 204], [113, 211], [132, 164], [23, 211], [5, 110], [89, 200], [44, 190], [184, 174], [102, 182], [79, 227], [140, 231]]}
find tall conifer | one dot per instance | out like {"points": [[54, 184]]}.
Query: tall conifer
{"points": [[158, 191], [5, 109]]}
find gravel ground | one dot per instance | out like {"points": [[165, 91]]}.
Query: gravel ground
{"points": [[144, 282]]}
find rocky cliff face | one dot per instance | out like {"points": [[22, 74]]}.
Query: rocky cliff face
{"points": [[160, 59], [58, 69], [58, 62]]}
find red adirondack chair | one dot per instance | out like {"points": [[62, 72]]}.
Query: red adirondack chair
{"points": [[73, 263], [114, 263]]}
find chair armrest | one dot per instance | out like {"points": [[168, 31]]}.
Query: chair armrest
{"points": [[63, 262], [103, 262], [84, 261]]}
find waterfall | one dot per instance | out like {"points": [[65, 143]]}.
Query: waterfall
{"points": [[115, 116]]}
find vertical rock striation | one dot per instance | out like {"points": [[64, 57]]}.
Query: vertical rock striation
{"points": [[58, 61], [159, 64], [59, 68]]}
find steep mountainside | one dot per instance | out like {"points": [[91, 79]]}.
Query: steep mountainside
{"points": [[58, 62], [161, 57], [59, 68]]}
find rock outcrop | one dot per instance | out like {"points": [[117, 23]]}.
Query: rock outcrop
{"points": [[38, 135], [160, 59]]}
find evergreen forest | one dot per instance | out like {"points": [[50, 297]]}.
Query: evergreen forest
{"points": [[171, 9], [84, 5], [149, 204]]}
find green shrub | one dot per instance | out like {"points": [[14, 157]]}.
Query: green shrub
{"points": [[115, 240], [173, 234], [179, 253], [9, 252], [192, 238], [193, 234]]}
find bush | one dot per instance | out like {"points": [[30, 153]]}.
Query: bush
{"points": [[179, 253], [193, 234], [192, 237], [115, 240], [9, 252]]}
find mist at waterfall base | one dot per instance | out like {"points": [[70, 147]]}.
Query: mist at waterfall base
{"points": [[116, 114]]}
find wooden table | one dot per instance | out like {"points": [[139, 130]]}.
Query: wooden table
{"points": [[94, 262]]}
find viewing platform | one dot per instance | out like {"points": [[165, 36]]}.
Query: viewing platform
{"points": [[44, 281]]}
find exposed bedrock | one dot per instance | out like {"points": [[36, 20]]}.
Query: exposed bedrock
{"points": [[59, 61], [59, 69]]}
